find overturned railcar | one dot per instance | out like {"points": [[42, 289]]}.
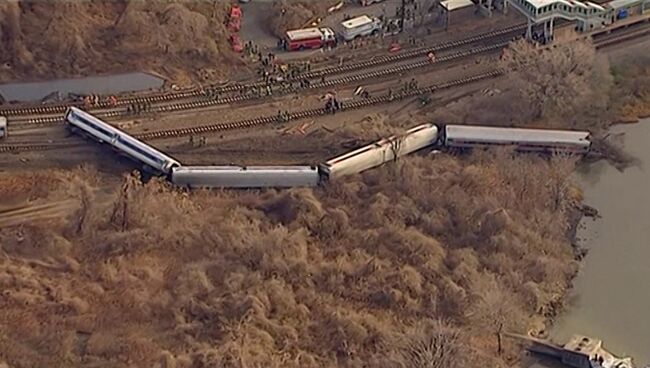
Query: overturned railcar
{"points": [[380, 152], [522, 139], [81, 121]]}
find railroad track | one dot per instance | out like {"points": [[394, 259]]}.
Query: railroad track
{"points": [[272, 119], [622, 35], [418, 52], [353, 105], [603, 41], [220, 89], [5, 148], [202, 103]]}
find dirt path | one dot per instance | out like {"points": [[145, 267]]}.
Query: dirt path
{"points": [[32, 212]]}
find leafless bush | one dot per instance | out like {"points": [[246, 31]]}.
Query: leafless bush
{"points": [[67, 38], [334, 276], [435, 345], [632, 85]]}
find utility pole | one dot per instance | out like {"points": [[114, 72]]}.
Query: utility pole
{"points": [[401, 25]]}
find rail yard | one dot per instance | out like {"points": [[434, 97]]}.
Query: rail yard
{"points": [[353, 184]]}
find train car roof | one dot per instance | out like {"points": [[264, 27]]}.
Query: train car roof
{"points": [[123, 136], [375, 144], [484, 133], [244, 168]]}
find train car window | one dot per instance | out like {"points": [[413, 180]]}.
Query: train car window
{"points": [[94, 126], [141, 151]]}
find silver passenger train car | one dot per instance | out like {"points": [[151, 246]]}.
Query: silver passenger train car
{"points": [[3, 127], [80, 120], [541, 140], [380, 152], [245, 176]]}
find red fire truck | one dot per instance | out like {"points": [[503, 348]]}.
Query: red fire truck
{"points": [[309, 38], [234, 18]]}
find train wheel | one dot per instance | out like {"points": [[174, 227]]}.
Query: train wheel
{"points": [[148, 169]]}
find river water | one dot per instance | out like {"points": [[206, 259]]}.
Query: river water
{"points": [[611, 297]]}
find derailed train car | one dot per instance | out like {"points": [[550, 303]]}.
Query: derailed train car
{"points": [[245, 176], [532, 140], [375, 154], [79, 120], [3, 127], [380, 152], [354, 162]]}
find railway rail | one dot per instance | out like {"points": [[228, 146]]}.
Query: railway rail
{"points": [[219, 89], [615, 37], [18, 147], [353, 105], [273, 119], [203, 103], [196, 100], [622, 35]]}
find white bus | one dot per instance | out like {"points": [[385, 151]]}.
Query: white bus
{"points": [[359, 27]]}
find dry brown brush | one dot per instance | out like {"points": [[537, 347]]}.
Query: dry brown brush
{"points": [[559, 82], [358, 273], [293, 14], [45, 39], [565, 86], [632, 86]]}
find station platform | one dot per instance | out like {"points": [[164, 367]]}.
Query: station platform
{"points": [[587, 15]]}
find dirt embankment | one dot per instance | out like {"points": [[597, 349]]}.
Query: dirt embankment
{"points": [[293, 14], [358, 273], [180, 40]]}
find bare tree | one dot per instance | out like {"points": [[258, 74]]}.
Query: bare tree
{"points": [[556, 81], [119, 216], [494, 309], [558, 179], [396, 145], [434, 346]]}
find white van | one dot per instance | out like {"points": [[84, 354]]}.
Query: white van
{"points": [[359, 27], [3, 127]]}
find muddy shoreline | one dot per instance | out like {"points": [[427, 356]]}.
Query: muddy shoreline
{"points": [[580, 211]]}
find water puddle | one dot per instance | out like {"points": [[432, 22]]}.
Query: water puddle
{"points": [[110, 84]]}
